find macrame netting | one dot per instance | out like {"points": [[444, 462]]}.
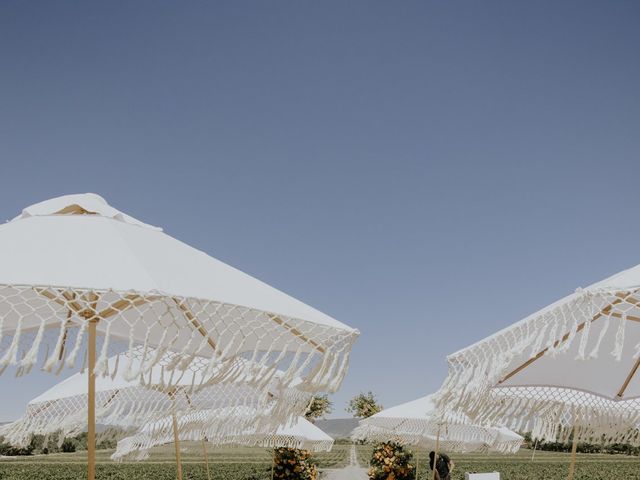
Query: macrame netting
{"points": [[554, 414], [212, 426], [49, 325], [486, 380], [63, 409]]}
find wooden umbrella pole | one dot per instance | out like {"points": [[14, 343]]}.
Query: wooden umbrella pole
{"points": [[435, 455], [273, 464], [176, 442], [574, 449], [534, 450], [91, 402], [416, 462], [206, 458]]}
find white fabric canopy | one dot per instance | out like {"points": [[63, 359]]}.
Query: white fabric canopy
{"points": [[75, 258], [125, 403], [573, 363], [418, 422], [300, 434], [111, 250]]}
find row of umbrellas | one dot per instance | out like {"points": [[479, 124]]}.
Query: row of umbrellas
{"points": [[569, 372], [183, 337]]}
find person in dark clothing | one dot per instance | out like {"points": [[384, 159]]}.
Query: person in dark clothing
{"points": [[444, 465]]}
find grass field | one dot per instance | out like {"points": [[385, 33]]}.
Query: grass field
{"points": [[546, 465], [238, 463], [254, 464]]}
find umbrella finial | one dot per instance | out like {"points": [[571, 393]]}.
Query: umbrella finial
{"points": [[79, 204]]}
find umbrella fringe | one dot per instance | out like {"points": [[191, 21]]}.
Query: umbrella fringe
{"points": [[619, 340], [465, 442], [137, 446], [32, 356], [313, 355], [10, 357], [603, 332], [71, 357], [475, 371]]}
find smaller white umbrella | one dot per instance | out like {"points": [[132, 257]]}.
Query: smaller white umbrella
{"points": [[127, 403], [418, 422], [300, 434]]}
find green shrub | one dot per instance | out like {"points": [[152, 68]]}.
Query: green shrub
{"points": [[69, 445]]}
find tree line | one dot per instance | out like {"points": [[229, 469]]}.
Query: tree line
{"points": [[582, 447]]}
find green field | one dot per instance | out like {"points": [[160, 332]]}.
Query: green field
{"points": [[546, 465], [254, 464], [237, 463]]}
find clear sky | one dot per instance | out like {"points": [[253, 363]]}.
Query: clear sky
{"points": [[428, 172]]}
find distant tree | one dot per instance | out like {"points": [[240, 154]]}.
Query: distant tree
{"points": [[364, 405], [582, 447], [109, 438], [37, 443], [9, 450], [81, 440], [69, 445], [528, 440], [319, 407]]}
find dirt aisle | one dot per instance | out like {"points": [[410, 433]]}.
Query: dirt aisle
{"points": [[351, 472]]}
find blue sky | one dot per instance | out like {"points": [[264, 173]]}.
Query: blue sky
{"points": [[428, 172]]}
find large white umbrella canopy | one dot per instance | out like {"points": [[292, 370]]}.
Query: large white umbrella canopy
{"points": [[75, 267], [570, 366], [75, 258], [419, 422], [300, 434], [125, 403]]}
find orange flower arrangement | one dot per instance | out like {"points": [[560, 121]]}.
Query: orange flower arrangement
{"points": [[390, 461], [293, 464]]}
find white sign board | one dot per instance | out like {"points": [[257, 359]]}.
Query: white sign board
{"points": [[482, 476]]}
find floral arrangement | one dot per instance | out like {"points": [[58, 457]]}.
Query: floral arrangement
{"points": [[294, 464], [390, 461]]}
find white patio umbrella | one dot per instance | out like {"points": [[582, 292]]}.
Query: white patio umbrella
{"points": [[74, 268], [419, 423], [300, 434], [197, 426], [570, 368], [128, 403]]}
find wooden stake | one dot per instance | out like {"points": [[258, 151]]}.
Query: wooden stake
{"points": [[435, 456], [574, 449], [206, 458], [176, 442], [91, 402]]}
